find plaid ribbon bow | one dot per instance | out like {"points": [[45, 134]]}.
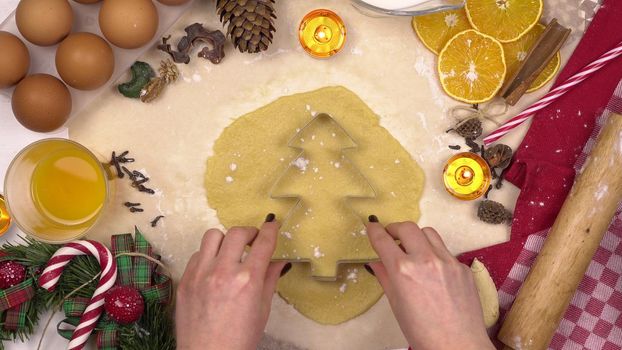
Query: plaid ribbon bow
{"points": [[135, 271], [15, 302]]}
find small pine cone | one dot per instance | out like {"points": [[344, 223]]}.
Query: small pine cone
{"points": [[168, 71], [493, 212], [498, 156], [470, 128], [152, 90], [250, 23]]}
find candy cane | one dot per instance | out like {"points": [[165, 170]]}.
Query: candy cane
{"points": [[55, 266], [554, 94]]}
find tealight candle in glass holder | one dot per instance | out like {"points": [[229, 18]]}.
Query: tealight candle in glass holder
{"points": [[466, 176], [322, 33]]}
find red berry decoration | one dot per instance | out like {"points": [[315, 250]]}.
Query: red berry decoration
{"points": [[11, 273], [124, 304]]}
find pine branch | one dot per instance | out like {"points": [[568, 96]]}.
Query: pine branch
{"points": [[80, 270], [33, 255], [154, 331]]}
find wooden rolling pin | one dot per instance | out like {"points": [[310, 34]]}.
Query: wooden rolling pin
{"points": [[568, 250]]}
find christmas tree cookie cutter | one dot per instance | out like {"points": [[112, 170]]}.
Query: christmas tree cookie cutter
{"points": [[369, 255]]}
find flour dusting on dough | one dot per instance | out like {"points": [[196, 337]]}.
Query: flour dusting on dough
{"points": [[317, 253], [301, 163], [353, 275]]}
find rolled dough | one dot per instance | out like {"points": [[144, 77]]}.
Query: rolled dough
{"points": [[252, 154]]}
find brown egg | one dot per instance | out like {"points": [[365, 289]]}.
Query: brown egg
{"points": [[173, 2], [44, 22], [84, 61], [128, 24], [14, 60], [87, 1], [41, 102]]}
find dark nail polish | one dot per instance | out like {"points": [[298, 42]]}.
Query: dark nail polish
{"points": [[369, 269], [270, 217], [373, 218], [286, 269]]}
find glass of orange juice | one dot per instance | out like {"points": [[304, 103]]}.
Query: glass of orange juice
{"points": [[56, 190]]}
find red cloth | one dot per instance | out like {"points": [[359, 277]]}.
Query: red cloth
{"points": [[543, 164]]}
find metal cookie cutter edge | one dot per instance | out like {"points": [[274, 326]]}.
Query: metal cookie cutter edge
{"points": [[346, 198]]}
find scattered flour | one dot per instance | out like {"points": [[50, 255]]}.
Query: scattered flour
{"points": [[233, 166], [353, 275], [301, 163], [287, 235], [521, 55], [317, 253], [451, 20], [472, 74], [342, 288], [425, 69], [424, 122], [229, 179]]}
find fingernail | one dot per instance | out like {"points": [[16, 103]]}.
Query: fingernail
{"points": [[286, 269], [369, 269], [373, 218], [270, 217]]}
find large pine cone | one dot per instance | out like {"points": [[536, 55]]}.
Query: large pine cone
{"points": [[251, 23]]}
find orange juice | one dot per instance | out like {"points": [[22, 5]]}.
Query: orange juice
{"points": [[68, 187]]}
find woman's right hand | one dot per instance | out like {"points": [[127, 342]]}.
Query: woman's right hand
{"points": [[432, 295]]}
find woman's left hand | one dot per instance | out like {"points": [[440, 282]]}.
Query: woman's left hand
{"points": [[222, 301]]}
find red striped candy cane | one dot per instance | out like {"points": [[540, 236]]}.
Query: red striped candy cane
{"points": [[554, 94], [51, 275]]}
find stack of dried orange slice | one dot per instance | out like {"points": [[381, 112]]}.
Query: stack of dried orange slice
{"points": [[482, 45]]}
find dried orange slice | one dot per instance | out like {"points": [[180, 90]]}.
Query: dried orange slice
{"points": [[516, 52], [471, 67], [505, 20], [435, 29]]}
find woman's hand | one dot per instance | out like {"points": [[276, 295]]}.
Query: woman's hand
{"points": [[432, 295], [222, 301]]}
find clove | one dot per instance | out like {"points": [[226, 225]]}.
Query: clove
{"points": [[155, 221]]}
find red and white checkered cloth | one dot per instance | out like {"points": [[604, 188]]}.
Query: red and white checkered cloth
{"points": [[594, 318]]}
